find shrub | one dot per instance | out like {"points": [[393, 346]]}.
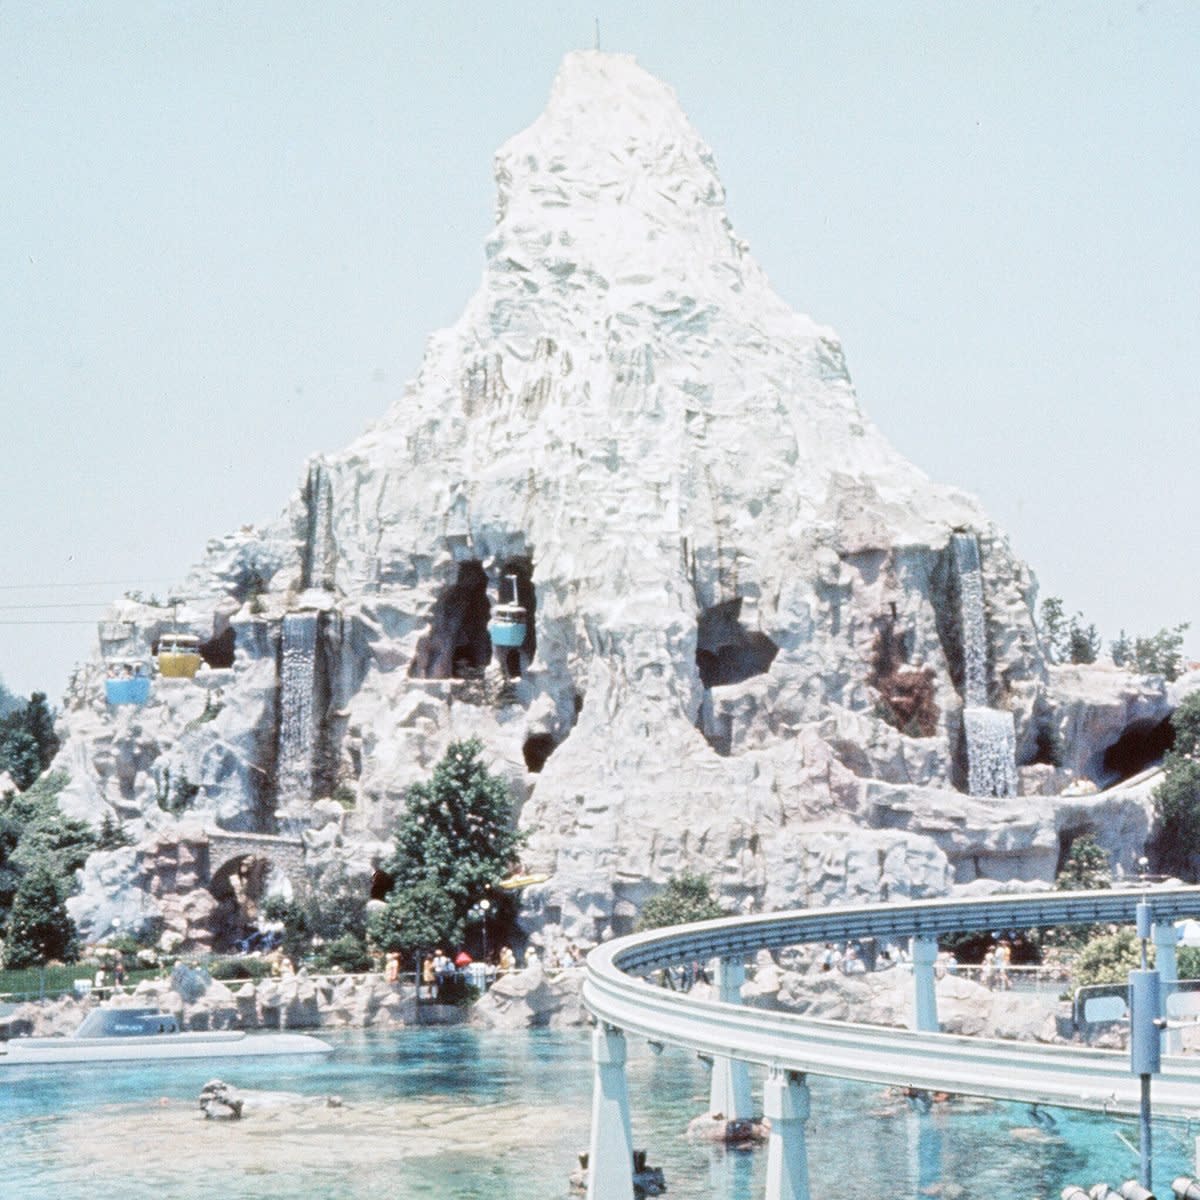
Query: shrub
{"points": [[239, 968], [1108, 959], [346, 953], [685, 898]]}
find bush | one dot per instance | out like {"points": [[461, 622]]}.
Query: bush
{"points": [[239, 968], [685, 898], [347, 953], [1108, 959]]}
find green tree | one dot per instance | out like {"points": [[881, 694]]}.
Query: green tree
{"points": [[27, 740], [1083, 641], [333, 910], [1053, 623], [1108, 958], [685, 898], [47, 836], [453, 845], [1121, 650], [1177, 798], [1086, 867], [416, 919], [112, 834], [1161, 653], [38, 928]]}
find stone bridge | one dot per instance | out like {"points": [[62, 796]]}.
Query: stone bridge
{"points": [[284, 853]]}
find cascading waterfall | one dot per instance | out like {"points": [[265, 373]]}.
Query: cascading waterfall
{"points": [[989, 732], [297, 678], [991, 752], [965, 548]]}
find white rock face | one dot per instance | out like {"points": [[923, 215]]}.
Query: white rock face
{"points": [[743, 607]]}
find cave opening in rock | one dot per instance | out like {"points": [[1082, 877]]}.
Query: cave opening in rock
{"points": [[457, 643], [726, 651], [537, 748], [239, 887], [1140, 745], [218, 651], [381, 884]]}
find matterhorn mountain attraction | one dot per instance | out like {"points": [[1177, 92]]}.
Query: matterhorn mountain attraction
{"points": [[631, 529]]}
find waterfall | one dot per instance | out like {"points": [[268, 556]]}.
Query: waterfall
{"points": [[989, 732], [965, 549], [991, 752], [297, 677]]}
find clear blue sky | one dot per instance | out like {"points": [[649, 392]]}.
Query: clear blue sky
{"points": [[225, 230]]}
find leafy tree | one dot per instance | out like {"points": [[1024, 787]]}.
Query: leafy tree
{"points": [[416, 919], [1054, 623], [47, 836], [1187, 962], [39, 928], [1086, 867], [453, 844], [1067, 640], [685, 898], [1161, 653], [1177, 798], [18, 754], [1108, 958], [27, 740], [333, 911], [8, 702]]}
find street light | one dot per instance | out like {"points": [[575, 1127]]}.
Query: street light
{"points": [[484, 905]]}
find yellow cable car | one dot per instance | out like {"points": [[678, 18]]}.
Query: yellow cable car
{"points": [[178, 656]]}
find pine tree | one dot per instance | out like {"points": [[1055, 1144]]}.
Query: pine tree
{"points": [[39, 928], [453, 845]]}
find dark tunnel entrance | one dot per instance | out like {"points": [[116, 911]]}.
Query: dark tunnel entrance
{"points": [[457, 643], [1140, 745], [727, 652]]}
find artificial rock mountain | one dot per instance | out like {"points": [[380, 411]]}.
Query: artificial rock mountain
{"points": [[746, 653]]}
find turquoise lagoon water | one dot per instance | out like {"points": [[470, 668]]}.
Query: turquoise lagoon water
{"points": [[470, 1115]]}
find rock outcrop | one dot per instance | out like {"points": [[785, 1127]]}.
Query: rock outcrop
{"points": [[744, 648]]}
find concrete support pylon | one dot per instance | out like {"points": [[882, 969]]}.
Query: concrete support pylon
{"points": [[1166, 937], [786, 1105], [610, 1149], [924, 1012], [729, 1091]]}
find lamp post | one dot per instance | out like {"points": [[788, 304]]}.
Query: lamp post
{"points": [[484, 905]]}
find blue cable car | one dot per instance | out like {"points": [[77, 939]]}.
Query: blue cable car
{"points": [[507, 626], [127, 682]]}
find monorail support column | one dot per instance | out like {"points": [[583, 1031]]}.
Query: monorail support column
{"points": [[729, 1093], [610, 1150], [1166, 936], [786, 1105], [924, 955]]}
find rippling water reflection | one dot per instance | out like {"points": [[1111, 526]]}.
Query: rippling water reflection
{"points": [[470, 1115]]}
